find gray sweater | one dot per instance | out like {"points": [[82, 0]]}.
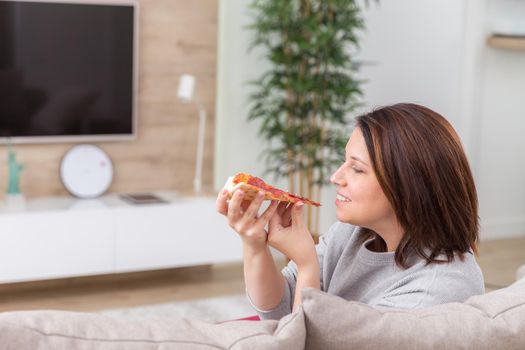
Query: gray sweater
{"points": [[356, 273]]}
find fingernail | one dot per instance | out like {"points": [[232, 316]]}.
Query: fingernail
{"points": [[224, 192], [299, 205], [241, 193], [260, 194]]}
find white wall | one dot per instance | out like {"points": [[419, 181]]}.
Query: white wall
{"points": [[430, 52], [501, 129], [414, 56], [237, 143]]}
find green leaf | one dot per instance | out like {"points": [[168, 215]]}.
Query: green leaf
{"points": [[304, 100]]}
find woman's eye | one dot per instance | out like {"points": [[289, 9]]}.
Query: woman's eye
{"points": [[357, 170]]}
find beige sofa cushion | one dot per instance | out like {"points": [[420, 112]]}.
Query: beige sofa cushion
{"points": [[494, 320], [57, 330]]}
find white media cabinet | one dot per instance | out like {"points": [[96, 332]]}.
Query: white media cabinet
{"points": [[66, 237]]}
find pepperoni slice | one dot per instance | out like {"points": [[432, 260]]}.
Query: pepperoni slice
{"points": [[274, 192]]}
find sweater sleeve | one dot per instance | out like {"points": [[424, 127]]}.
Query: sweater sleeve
{"points": [[428, 289], [290, 276]]}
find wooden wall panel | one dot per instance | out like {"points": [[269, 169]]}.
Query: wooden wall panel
{"points": [[175, 37]]}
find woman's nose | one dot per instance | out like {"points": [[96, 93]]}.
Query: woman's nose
{"points": [[335, 178], [332, 179]]}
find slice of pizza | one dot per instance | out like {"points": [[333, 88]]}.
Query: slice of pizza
{"points": [[251, 185]]}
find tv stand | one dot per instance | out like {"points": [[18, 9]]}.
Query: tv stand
{"points": [[59, 237]]}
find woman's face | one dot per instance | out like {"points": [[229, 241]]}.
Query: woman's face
{"points": [[360, 200]]}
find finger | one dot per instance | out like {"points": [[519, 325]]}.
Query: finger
{"points": [[221, 203], [287, 215], [253, 208], [281, 208], [244, 205], [298, 214], [234, 208], [268, 214], [276, 218]]}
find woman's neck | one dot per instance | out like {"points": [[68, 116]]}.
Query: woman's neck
{"points": [[391, 235]]}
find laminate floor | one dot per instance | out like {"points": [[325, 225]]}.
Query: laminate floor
{"points": [[498, 259]]}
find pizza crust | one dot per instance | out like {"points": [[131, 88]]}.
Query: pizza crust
{"points": [[250, 191]]}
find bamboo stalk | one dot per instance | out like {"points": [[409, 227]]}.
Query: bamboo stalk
{"points": [[289, 121], [305, 8], [314, 124], [318, 193], [323, 132]]}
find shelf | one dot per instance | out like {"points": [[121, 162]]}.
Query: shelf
{"points": [[59, 237], [507, 42], [65, 203]]}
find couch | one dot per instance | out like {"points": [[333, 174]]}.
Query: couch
{"points": [[495, 320]]}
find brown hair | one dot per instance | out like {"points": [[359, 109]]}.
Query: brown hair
{"points": [[422, 168]]}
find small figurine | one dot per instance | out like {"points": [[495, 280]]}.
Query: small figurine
{"points": [[13, 187]]}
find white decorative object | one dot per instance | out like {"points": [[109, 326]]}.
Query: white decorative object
{"points": [[15, 202], [186, 87], [86, 171], [185, 94]]}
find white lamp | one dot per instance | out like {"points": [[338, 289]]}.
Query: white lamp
{"points": [[185, 94]]}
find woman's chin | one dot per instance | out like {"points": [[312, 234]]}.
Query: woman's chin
{"points": [[346, 217], [342, 217]]}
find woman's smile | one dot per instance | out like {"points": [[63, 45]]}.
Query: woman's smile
{"points": [[341, 200]]}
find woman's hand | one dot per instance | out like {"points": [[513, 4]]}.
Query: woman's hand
{"points": [[288, 234], [242, 217]]}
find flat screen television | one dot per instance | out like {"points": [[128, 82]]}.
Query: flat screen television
{"points": [[68, 70]]}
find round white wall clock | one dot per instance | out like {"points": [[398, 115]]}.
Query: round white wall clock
{"points": [[86, 171]]}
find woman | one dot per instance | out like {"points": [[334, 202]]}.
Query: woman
{"points": [[407, 224]]}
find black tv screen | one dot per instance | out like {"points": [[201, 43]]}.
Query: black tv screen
{"points": [[66, 70]]}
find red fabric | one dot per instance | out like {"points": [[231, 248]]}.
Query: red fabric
{"points": [[249, 318]]}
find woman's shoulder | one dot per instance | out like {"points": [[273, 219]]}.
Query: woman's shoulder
{"points": [[463, 264], [457, 279]]}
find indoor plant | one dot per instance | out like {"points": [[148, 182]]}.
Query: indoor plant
{"points": [[303, 100]]}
